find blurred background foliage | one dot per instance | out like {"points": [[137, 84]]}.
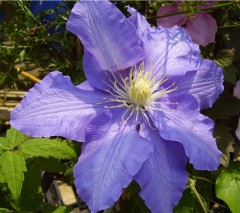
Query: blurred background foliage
{"points": [[33, 42]]}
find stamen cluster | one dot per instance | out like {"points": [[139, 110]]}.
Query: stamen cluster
{"points": [[138, 92]]}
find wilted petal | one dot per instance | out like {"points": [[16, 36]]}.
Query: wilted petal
{"points": [[170, 21], [202, 28], [206, 84], [236, 93], [170, 51], [237, 132], [55, 107], [162, 177], [185, 124], [236, 90], [106, 33], [108, 164]]}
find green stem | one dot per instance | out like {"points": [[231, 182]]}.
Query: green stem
{"points": [[199, 10], [199, 199], [229, 26], [201, 178], [192, 186]]}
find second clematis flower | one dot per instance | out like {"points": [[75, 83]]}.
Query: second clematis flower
{"points": [[202, 27], [138, 113]]}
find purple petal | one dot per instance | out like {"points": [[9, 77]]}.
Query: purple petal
{"points": [[108, 164], [185, 124], [138, 20], [162, 177], [170, 51], [206, 84], [55, 107], [106, 33], [202, 28], [95, 73], [171, 20]]}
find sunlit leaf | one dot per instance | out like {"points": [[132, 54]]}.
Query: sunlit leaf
{"points": [[12, 140], [226, 57], [15, 137], [3, 210], [4, 145], [228, 186], [52, 209], [12, 166], [44, 147]]}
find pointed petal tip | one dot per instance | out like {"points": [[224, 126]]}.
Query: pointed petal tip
{"points": [[118, 46], [54, 104]]}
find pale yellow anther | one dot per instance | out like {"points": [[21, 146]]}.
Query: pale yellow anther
{"points": [[140, 91]]}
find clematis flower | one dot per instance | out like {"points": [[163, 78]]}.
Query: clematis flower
{"points": [[202, 27], [138, 114]]}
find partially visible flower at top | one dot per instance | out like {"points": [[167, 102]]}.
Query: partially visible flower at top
{"points": [[236, 93], [201, 26], [138, 113]]}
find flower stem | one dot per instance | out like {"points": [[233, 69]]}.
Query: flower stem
{"points": [[201, 178], [199, 10], [229, 26], [192, 187]]}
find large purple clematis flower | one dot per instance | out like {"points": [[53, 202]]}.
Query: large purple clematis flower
{"points": [[138, 113], [202, 27]]}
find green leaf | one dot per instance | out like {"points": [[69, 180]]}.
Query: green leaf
{"points": [[50, 164], [12, 166], [68, 176], [134, 190], [225, 142], [46, 208], [76, 146], [2, 179], [186, 204], [228, 186], [63, 209], [230, 74], [31, 196], [44, 147], [4, 145], [224, 107], [231, 40], [3, 210], [226, 57], [3, 78], [15, 137]]}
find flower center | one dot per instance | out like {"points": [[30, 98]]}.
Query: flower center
{"points": [[140, 91], [137, 92]]}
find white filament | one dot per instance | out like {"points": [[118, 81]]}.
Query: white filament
{"points": [[137, 92]]}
